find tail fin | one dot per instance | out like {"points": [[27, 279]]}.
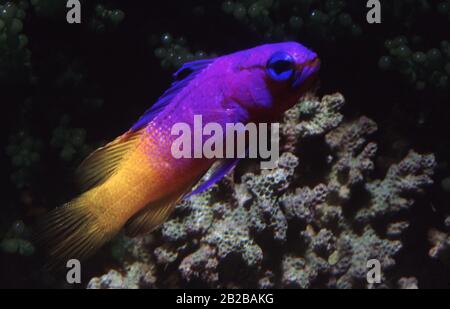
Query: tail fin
{"points": [[79, 228], [72, 231]]}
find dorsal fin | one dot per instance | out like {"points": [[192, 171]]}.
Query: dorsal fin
{"points": [[103, 162], [190, 69], [182, 77]]}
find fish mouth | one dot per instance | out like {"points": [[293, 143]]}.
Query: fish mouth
{"points": [[306, 71]]}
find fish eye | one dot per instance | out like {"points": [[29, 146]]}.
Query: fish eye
{"points": [[280, 66]]}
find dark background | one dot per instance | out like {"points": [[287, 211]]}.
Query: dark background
{"points": [[119, 66]]}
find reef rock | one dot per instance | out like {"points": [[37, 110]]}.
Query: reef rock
{"points": [[291, 226]]}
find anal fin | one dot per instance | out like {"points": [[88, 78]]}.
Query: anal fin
{"points": [[152, 216]]}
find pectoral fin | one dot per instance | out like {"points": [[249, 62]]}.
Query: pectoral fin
{"points": [[219, 170]]}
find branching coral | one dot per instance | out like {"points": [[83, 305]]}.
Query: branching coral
{"points": [[137, 275], [48, 8], [16, 240], [269, 230], [105, 18], [327, 19], [444, 8], [311, 118], [174, 52], [25, 154], [390, 195], [70, 141], [353, 155], [14, 54], [440, 241], [422, 68]]}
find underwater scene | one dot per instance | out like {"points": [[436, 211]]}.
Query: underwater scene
{"points": [[225, 144]]}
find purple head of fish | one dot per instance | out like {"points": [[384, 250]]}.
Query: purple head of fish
{"points": [[269, 79], [255, 84]]}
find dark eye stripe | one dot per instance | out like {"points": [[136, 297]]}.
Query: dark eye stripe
{"points": [[280, 66]]}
